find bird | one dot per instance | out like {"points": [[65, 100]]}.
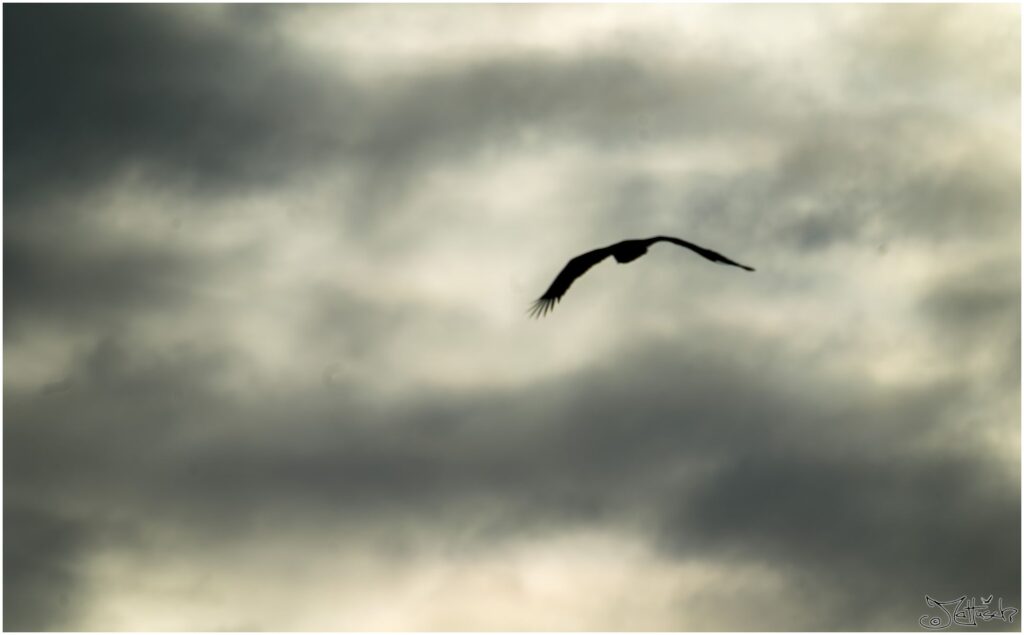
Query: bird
{"points": [[623, 252]]}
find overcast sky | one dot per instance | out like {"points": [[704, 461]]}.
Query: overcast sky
{"points": [[267, 363]]}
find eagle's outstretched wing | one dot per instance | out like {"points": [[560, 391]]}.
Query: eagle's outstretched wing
{"points": [[713, 256], [574, 269]]}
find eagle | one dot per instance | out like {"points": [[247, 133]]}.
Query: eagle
{"points": [[624, 251]]}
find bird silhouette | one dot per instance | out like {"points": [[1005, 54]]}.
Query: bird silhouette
{"points": [[625, 251]]}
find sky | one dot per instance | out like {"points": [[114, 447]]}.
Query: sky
{"points": [[267, 363]]}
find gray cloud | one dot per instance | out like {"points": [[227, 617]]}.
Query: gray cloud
{"points": [[211, 117], [76, 287], [258, 296], [100, 89], [707, 456], [38, 577]]}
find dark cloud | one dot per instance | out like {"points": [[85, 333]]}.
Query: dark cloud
{"points": [[856, 519], [708, 455], [40, 555], [84, 286], [101, 88], [246, 348], [975, 311], [88, 104], [837, 180], [976, 299], [849, 179]]}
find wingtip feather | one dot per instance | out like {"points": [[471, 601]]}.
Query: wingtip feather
{"points": [[542, 307]]}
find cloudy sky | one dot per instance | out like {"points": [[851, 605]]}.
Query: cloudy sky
{"points": [[266, 357]]}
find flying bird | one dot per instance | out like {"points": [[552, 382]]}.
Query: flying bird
{"points": [[625, 251]]}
